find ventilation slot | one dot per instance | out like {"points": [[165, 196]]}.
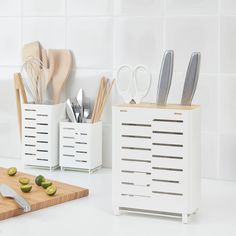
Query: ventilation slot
{"points": [[166, 181], [135, 160], [40, 150], [81, 143], [42, 141], [67, 155], [42, 132], [167, 132], [30, 154], [134, 195], [132, 124], [81, 161], [30, 109], [30, 145], [168, 157], [167, 144], [135, 136], [67, 137], [27, 127], [68, 128], [83, 134], [134, 172], [42, 115], [136, 148], [29, 118], [29, 136], [68, 146], [168, 169], [165, 120], [42, 159], [42, 124], [168, 193], [81, 152]]}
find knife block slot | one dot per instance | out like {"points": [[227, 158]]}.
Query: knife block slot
{"points": [[41, 134], [156, 159], [81, 146]]}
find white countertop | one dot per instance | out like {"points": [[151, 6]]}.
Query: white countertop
{"points": [[93, 215]]}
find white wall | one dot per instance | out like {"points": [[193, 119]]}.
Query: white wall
{"points": [[104, 33]]}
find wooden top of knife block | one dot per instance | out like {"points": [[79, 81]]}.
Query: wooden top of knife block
{"points": [[155, 106]]}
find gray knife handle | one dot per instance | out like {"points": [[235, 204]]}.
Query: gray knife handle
{"points": [[23, 203], [191, 79], [165, 78]]}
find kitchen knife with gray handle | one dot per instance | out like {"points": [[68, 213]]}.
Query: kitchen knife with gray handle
{"points": [[8, 192], [191, 79], [165, 77]]}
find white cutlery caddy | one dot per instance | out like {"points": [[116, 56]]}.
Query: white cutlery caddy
{"points": [[40, 134], [81, 146], [156, 159]]}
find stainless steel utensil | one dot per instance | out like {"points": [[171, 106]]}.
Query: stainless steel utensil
{"points": [[80, 100], [69, 111], [87, 109], [76, 109], [191, 79], [165, 77], [8, 192]]}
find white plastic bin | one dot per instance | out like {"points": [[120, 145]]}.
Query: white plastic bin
{"points": [[81, 146], [40, 134]]}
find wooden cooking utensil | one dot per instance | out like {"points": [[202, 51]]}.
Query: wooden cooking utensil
{"points": [[31, 50], [50, 68], [62, 68], [20, 93], [97, 99]]}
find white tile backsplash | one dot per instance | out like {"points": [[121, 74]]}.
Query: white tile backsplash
{"points": [[193, 7], [43, 8], [10, 41], [228, 7], [103, 34], [188, 34], [90, 39], [138, 41], [139, 7], [10, 8], [227, 104], [50, 31], [89, 7], [209, 155], [227, 160], [228, 46]]}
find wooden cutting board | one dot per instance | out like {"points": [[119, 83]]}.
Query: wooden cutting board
{"points": [[37, 198]]}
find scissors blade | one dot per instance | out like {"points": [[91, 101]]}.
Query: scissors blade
{"points": [[165, 77]]}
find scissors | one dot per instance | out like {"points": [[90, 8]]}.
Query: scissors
{"points": [[132, 81]]}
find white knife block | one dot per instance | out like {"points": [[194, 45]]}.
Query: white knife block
{"points": [[40, 134], [156, 159], [81, 146]]}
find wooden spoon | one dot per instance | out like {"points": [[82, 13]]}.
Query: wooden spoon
{"points": [[62, 69]]}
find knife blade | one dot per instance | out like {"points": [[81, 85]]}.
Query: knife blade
{"points": [[191, 79], [165, 77], [8, 192], [80, 100]]}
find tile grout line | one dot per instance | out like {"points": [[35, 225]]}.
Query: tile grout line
{"points": [[218, 92]]}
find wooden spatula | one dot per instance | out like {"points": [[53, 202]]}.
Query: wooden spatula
{"points": [[62, 69], [20, 93]]}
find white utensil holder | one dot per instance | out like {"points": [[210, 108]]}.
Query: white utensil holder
{"points": [[81, 146], [156, 159], [40, 134]]}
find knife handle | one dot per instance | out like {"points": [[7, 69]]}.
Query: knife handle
{"points": [[23, 203]]}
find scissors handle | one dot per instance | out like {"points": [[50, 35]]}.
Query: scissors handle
{"points": [[139, 93], [125, 93]]}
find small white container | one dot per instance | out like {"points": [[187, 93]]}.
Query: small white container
{"points": [[81, 146], [40, 134]]}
